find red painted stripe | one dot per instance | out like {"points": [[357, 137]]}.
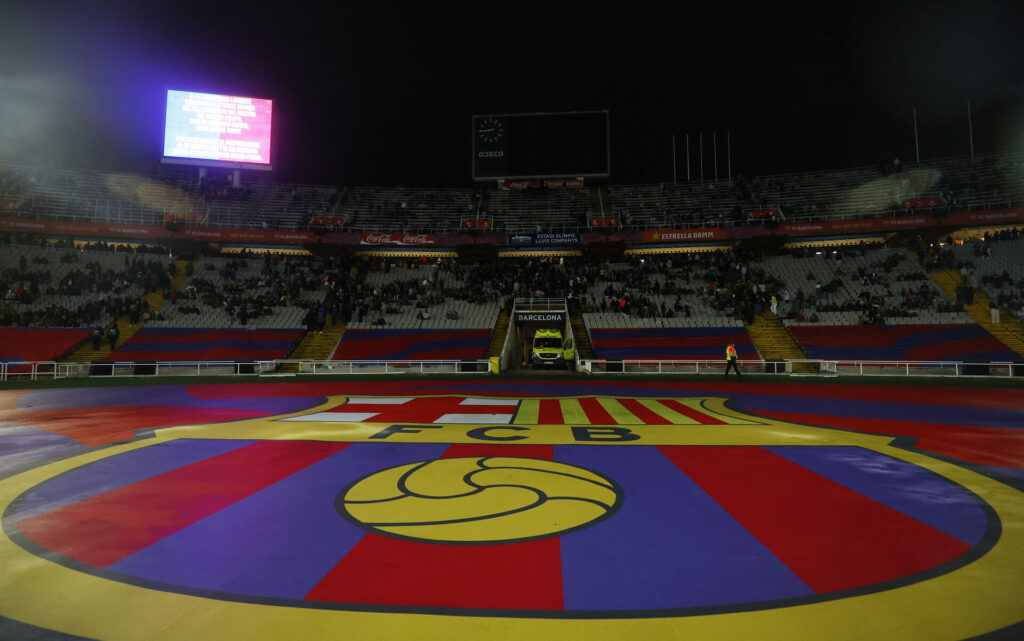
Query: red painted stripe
{"points": [[596, 413], [999, 446], [685, 410], [550, 412], [427, 409], [546, 452], [643, 413], [830, 536], [106, 528], [385, 571]]}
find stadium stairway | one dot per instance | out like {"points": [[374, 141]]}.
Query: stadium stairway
{"points": [[1009, 330], [179, 275], [498, 336], [584, 348], [773, 342], [84, 353], [317, 346]]}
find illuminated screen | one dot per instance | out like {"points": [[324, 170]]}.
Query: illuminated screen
{"points": [[204, 126]]}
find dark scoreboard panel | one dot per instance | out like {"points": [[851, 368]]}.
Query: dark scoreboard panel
{"points": [[541, 145]]}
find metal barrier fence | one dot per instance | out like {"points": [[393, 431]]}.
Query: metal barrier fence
{"points": [[44, 370], [809, 367]]}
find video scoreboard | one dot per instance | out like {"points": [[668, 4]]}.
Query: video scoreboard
{"points": [[217, 130], [541, 145]]}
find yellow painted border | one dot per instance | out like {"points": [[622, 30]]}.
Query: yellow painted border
{"points": [[982, 596]]}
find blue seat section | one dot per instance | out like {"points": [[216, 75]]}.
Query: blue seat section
{"points": [[672, 343], [968, 342]]}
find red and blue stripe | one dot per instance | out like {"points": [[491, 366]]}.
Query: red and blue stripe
{"points": [[699, 526]]}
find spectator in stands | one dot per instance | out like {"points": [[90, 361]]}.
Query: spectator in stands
{"points": [[97, 338], [112, 335]]}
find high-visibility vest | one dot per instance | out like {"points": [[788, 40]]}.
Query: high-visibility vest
{"points": [[730, 352]]}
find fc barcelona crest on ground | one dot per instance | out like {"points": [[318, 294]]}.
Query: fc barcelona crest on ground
{"points": [[569, 517]]}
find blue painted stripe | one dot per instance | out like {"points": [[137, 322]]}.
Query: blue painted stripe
{"points": [[912, 412], [669, 546], [279, 542], [910, 489], [120, 470]]}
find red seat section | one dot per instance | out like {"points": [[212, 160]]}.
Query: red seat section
{"points": [[37, 344], [413, 344], [968, 342], [672, 343], [186, 344]]}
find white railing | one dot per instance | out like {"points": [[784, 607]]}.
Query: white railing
{"points": [[467, 366], [32, 370], [809, 367], [43, 370]]}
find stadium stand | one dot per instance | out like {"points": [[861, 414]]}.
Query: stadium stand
{"points": [[36, 344], [536, 210], [425, 296], [662, 307], [412, 344], [398, 209], [238, 293], [188, 344], [959, 183], [849, 286], [918, 342], [986, 181], [996, 265], [684, 307], [64, 286], [672, 343]]}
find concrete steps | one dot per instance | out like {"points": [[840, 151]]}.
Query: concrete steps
{"points": [[179, 274], [84, 353], [774, 342], [317, 346], [498, 335], [1008, 330], [580, 336]]}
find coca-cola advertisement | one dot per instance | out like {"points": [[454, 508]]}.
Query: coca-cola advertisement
{"points": [[518, 185], [404, 240]]}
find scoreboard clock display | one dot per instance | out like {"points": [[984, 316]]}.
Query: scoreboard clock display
{"points": [[541, 145]]}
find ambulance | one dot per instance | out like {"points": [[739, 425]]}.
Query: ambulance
{"points": [[551, 350]]}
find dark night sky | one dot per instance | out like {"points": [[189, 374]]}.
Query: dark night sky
{"points": [[382, 95]]}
